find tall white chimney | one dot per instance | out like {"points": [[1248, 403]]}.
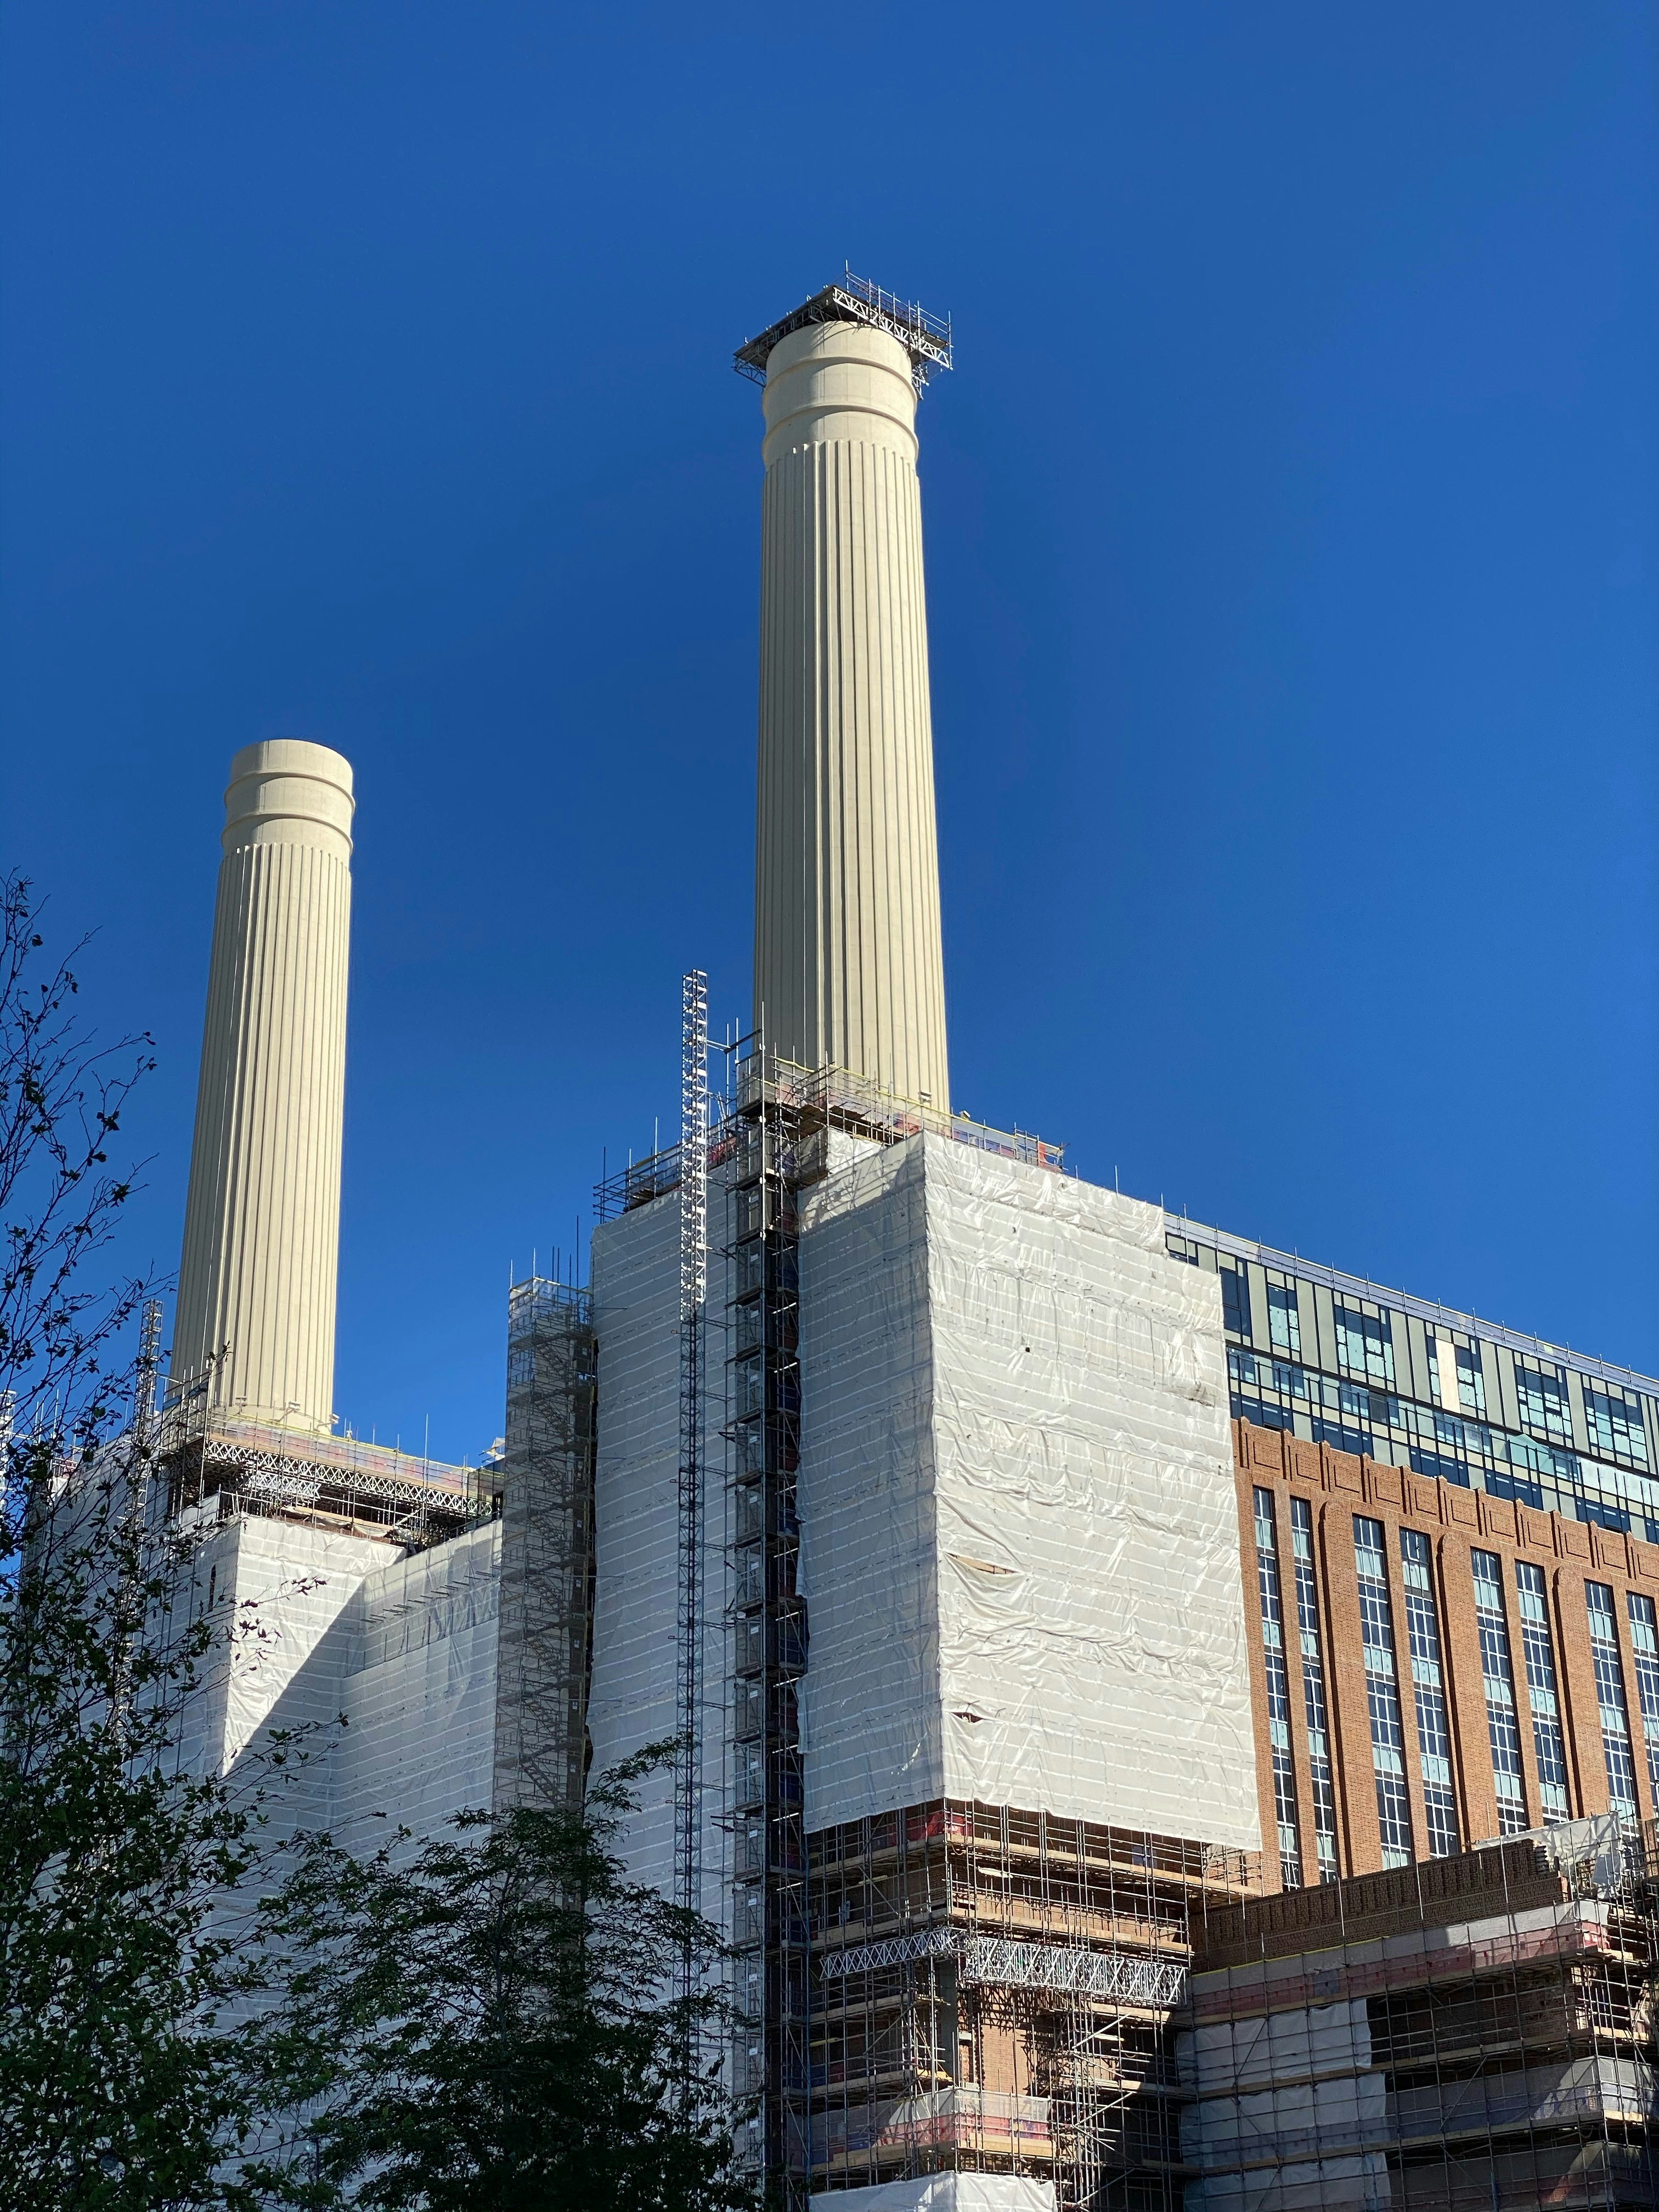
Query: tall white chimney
{"points": [[848, 957], [257, 1283]]}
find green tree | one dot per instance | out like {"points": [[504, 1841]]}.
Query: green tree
{"points": [[493, 2021], [116, 1868]]}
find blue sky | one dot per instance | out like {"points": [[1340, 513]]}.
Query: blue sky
{"points": [[1290, 538]]}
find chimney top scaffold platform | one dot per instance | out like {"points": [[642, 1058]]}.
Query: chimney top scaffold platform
{"points": [[850, 299]]}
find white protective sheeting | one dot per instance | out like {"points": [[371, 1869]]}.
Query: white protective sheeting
{"points": [[319, 1630], [1324, 2185], [1019, 1527], [1567, 2093], [280, 1592], [419, 1692], [944, 2192], [636, 1291], [871, 1715], [1254, 2052], [988, 2123], [1348, 2114], [632, 1701]]}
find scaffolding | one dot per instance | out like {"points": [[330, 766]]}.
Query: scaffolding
{"points": [[850, 299], [992, 1992], [952, 1986], [1122, 2017], [769, 1137], [814, 1101], [767, 1628], [217, 1465], [1466, 2034], [547, 1547]]}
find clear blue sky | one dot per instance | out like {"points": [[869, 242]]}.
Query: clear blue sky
{"points": [[1291, 540]]}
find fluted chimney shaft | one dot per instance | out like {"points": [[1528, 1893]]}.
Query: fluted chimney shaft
{"points": [[848, 958], [257, 1282]]}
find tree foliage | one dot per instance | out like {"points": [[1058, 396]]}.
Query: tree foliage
{"points": [[116, 1953], [494, 2022]]}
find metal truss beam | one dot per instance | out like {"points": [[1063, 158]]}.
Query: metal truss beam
{"points": [[998, 1962]]}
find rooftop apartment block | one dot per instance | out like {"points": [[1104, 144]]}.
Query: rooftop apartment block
{"points": [[1404, 1382]]}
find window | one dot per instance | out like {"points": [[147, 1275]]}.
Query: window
{"points": [[1539, 1656], [1542, 1392], [1644, 1651], [1440, 1467], [1364, 1345], [1279, 1689], [1610, 1696], [1313, 1689], [1615, 1425], [1429, 1692], [1605, 1517], [1394, 1817], [1341, 1438], [1471, 1382], [1460, 1385], [1236, 1301], [1284, 1319], [1502, 1484], [1498, 1672]]}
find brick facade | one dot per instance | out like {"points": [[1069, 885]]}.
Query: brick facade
{"points": [[1570, 1553]]}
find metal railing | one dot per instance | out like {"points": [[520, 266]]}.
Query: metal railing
{"points": [[926, 337], [824, 1097]]}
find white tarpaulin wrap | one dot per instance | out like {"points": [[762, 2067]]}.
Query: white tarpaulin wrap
{"points": [[1262, 2048], [317, 1627], [632, 1700], [637, 1293], [420, 1691], [1325, 2185], [283, 1596], [944, 2192], [1019, 1528]]}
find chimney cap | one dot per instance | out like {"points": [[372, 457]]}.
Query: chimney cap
{"points": [[287, 790]]}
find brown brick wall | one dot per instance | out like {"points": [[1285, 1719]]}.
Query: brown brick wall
{"points": [[1340, 1485], [1504, 1880]]}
